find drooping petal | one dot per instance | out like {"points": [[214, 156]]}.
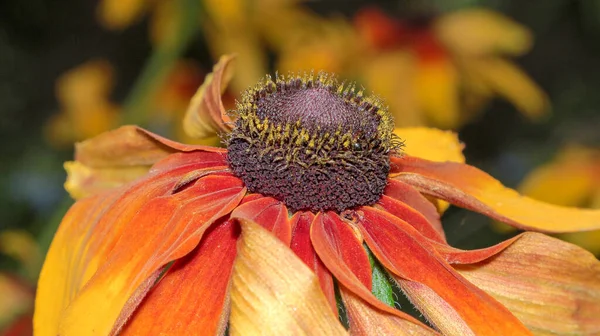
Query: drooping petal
{"points": [[342, 252], [273, 292], [364, 320], [302, 247], [552, 286], [469, 187], [270, 214], [449, 301], [457, 256], [114, 158], [194, 293], [206, 114], [154, 233]]}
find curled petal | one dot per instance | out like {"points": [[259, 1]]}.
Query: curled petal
{"points": [[449, 301], [203, 278], [302, 246], [273, 292], [552, 286], [270, 214], [114, 158], [469, 187], [206, 114], [161, 230], [365, 320], [458, 256], [343, 254]]}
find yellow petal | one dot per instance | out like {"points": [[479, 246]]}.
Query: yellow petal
{"points": [[20, 245], [553, 287], [85, 85], [512, 83], [431, 144], [206, 114], [437, 85], [434, 145], [119, 14], [480, 31], [273, 292]]}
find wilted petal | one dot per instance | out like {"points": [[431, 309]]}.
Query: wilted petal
{"points": [[365, 320], [450, 302], [469, 187], [149, 234], [270, 214], [273, 292], [114, 158], [206, 114], [302, 247], [407, 194], [342, 252], [552, 286], [193, 295]]}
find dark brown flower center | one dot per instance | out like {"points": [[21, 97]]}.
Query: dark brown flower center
{"points": [[312, 143]]}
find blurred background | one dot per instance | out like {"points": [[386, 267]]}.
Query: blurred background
{"points": [[519, 81]]}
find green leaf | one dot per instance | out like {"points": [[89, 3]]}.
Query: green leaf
{"points": [[382, 287]]}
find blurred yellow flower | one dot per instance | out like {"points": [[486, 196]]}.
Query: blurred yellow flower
{"points": [[571, 179], [86, 110]]}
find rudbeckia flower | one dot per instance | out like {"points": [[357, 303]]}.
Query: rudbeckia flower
{"points": [[254, 238]]}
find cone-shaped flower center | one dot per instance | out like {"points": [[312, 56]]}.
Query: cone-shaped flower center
{"points": [[312, 143]]}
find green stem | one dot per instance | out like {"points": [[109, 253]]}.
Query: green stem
{"points": [[161, 62]]}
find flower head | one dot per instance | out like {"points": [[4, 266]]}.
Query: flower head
{"points": [[205, 240]]}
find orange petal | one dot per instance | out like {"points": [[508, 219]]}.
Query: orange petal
{"points": [[147, 235], [273, 292], [364, 320], [405, 193], [469, 187], [193, 295], [206, 114], [270, 214], [411, 216], [302, 247], [457, 256], [450, 302], [342, 252], [552, 286], [117, 157]]}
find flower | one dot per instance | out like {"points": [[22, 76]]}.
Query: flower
{"points": [[190, 246]]}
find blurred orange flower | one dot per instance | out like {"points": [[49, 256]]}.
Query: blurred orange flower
{"points": [[186, 247]]}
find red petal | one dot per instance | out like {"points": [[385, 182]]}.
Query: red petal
{"points": [[343, 254], [409, 255], [411, 216], [473, 189], [303, 248], [193, 295], [407, 194], [164, 229], [270, 214]]}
